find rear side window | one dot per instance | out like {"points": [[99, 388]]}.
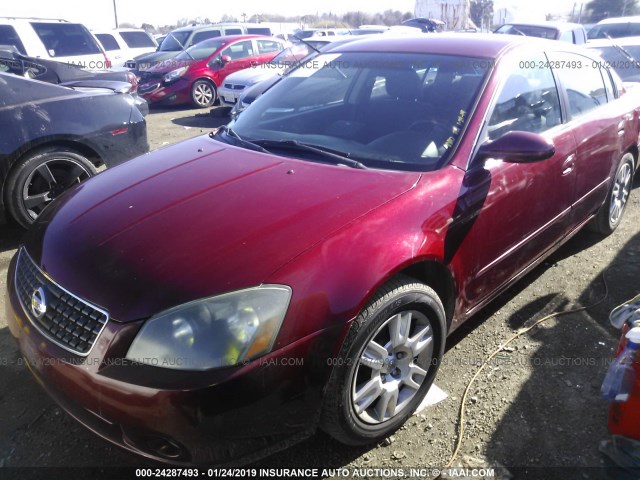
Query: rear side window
{"points": [[566, 37], [259, 31], [268, 46], [137, 40], [200, 36], [8, 36], [232, 31], [66, 39], [582, 79], [108, 42]]}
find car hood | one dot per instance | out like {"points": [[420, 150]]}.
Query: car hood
{"points": [[195, 220], [155, 57]]}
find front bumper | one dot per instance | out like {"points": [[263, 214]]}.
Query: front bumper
{"points": [[156, 92], [230, 96], [224, 416]]}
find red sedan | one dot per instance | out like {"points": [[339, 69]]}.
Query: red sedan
{"points": [[195, 74], [301, 269]]}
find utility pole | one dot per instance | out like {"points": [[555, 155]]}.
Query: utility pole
{"points": [[115, 12]]}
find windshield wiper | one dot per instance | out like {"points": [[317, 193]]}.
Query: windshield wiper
{"points": [[238, 140], [341, 158], [623, 51]]}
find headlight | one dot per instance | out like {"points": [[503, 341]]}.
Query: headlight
{"points": [[213, 332], [173, 75]]}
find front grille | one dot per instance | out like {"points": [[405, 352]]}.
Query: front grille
{"points": [[234, 86], [65, 319], [149, 87]]}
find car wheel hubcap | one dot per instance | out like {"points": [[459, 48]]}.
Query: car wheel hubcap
{"points": [[48, 181], [203, 94], [620, 194], [392, 367]]}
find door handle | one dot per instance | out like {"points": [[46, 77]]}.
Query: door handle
{"points": [[568, 164]]}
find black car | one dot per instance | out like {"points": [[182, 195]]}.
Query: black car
{"points": [[427, 25], [50, 71], [54, 137]]}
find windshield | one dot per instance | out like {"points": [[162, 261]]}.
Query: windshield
{"points": [[201, 50], [290, 56], [174, 42], [627, 68], [400, 111], [529, 31], [614, 30]]}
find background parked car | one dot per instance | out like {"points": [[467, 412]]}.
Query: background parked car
{"points": [[196, 74], [620, 54], [54, 39], [182, 38], [124, 44], [615, 28], [565, 32], [426, 25], [54, 137], [64, 74]]}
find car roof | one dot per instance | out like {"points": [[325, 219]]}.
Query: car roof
{"points": [[633, 19], [479, 45], [549, 24]]}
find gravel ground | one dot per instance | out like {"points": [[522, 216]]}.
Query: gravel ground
{"points": [[534, 410]]}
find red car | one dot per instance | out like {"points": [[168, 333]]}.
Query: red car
{"points": [[195, 74], [218, 299]]}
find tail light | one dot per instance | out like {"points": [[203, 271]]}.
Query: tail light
{"points": [[133, 80]]}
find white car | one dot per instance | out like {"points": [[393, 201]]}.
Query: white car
{"points": [[54, 39], [235, 84], [122, 44], [615, 28]]}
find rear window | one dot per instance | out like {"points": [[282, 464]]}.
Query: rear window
{"points": [[137, 40], [8, 36], [108, 42], [66, 39]]}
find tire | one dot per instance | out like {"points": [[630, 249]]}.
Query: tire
{"points": [[380, 378], [203, 93], [39, 177], [610, 214]]}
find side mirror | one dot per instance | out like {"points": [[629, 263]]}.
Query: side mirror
{"points": [[225, 59], [517, 147]]}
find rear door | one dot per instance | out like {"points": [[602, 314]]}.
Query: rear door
{"points": [[598, 123]]}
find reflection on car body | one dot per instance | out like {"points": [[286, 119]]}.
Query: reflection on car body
{"points": [[360, 211]]}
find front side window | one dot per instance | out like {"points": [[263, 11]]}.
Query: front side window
{"points": [[239, 50], [207, 34], [528, 100], [582, 80], [66, 39], [377, 108]]}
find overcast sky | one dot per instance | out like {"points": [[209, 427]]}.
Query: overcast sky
{"points": [[99, 13]]}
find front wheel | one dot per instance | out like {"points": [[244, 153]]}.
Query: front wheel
{"points": [[610, 214], [40, 177], [203, 93], [387, 363]]}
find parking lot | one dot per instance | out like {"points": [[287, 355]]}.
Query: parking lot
{"points": [[536, 405]]}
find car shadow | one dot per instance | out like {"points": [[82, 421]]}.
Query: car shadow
{"points": [[202, 120], [564, 377]]}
